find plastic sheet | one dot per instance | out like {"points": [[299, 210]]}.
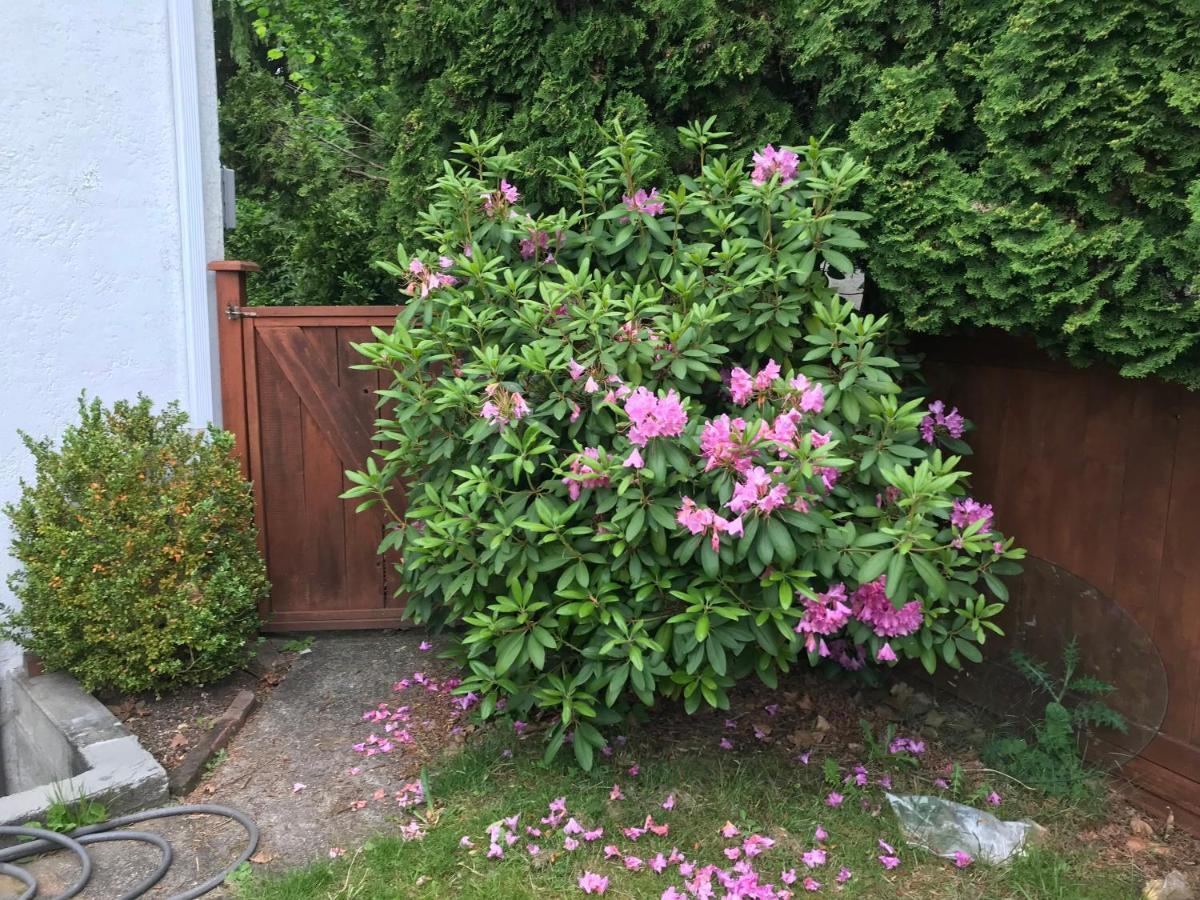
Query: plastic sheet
{"points": [[944, 828]]}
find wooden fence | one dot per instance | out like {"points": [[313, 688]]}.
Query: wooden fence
{"points": [[1099, 475]]}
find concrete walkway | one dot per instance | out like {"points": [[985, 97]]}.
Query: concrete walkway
{"points": [[302, 734]]}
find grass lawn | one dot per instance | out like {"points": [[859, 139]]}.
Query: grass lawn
{"points": [[764, 792]]}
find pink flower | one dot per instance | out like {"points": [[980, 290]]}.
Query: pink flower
{"points": [[335, 852], [733, 853], [889, 862], [725, 744], [424, 646], [534, 244], [885, 654], [569, 844], [994, 799], [658, 863], [298, 787], [503, 406], [641, 202], [756, 844], [741, 385], [843, 876], [906, 745], [952, 423], [669, 803], [533, 849], [634, 460], [422, 280], [702, 520], [872, 607], [769, 162], [966, 511], [465, 841], [814, 858], [672, 894], [591, 883], [575, 370], [495, 851], [723, 444], [729, 830], [962, 860], [788, 877], [758, 492], [593, 835], [811, 884], [825, 614], [587, 478], [633, 863], [652, 416], [820, 834], [615, 793], [834, 799]]}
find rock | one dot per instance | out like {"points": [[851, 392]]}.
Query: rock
{"points": [[1172, 886]]}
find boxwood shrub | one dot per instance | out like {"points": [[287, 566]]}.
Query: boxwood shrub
{"points": [[136, 541]]}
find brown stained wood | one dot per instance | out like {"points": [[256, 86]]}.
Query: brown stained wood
{"points": [[231, 293], [1177, 631], [324, 528], [363, 531], [294, 350], [282, 451], [1099, 475], [1148, 463]]}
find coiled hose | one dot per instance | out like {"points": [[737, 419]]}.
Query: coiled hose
{"points": [[75, 842]]}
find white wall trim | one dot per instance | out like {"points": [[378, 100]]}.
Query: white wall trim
{"points": [[190, 178]]}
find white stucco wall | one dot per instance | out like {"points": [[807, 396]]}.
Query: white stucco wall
{"points": [[91, 258]]}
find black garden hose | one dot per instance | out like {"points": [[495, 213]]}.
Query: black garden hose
{"points": [[105, 832]]}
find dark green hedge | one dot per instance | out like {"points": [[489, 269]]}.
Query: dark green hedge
{"points": [[1036, 164]]}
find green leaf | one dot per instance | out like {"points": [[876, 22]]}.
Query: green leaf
{"points": [[874, 566]]}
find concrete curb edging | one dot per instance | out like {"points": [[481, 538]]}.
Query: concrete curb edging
{"points": [[53, 730], [187, 774]]}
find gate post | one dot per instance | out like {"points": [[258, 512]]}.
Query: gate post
{"points": [[231, 297]]}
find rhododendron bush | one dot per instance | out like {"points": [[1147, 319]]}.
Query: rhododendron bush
{"points": [[648, 451]]}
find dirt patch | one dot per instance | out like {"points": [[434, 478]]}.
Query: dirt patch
{"points": [[168, 725]]}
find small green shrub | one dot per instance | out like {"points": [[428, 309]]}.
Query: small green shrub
{"points": [[648, 450], [1051, 760], [140, 569]]}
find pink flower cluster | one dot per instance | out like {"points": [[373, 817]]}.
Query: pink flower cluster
{"points": [[872, 607], [744, 387], [652, 416], [423, 280], [823, 615], [586, 477], [769, 161], [967, 511], [503, 406], [951, 423], [641, 202], [497, 201], [702, 520], [723, 444], [829, 612], [759, 492]]}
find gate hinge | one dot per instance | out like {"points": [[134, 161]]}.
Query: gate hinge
{"points": [[239, 312]]}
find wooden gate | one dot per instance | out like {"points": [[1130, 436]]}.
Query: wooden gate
{"points": [[301, 417]]}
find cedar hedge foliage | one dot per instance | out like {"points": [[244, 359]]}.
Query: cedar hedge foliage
{"points": [[1036, 162], [139, 564]]}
